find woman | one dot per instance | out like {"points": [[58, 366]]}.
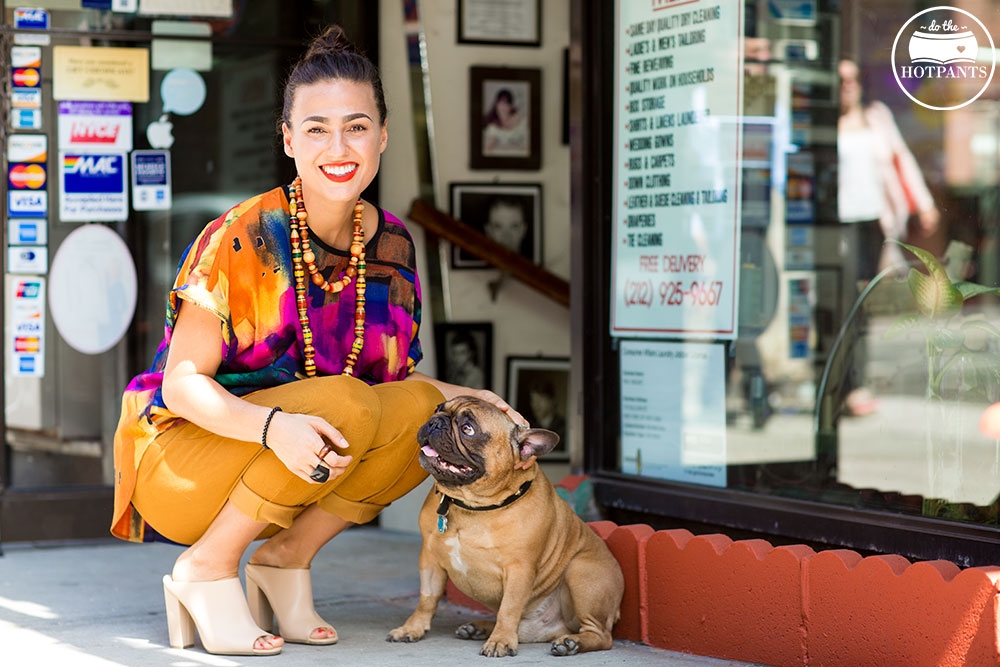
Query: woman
{"points": [[291, 331], [880, 186]]}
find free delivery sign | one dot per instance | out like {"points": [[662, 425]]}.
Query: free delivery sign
{"points": [[94, 187]]}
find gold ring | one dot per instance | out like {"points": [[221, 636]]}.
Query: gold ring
{"points": [[327, 448]]}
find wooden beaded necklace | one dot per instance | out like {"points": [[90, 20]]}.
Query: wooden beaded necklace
{"points": [[303, 259]]}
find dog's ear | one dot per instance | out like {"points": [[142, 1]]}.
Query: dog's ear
{"points": [[532, 443]]}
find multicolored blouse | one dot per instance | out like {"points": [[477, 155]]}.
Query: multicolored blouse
{"points": [[240, 269]]}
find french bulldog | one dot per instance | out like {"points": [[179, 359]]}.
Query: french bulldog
{"points": [[494, 525]]}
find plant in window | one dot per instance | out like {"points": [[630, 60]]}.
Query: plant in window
{"points": [[962, 367], [951, 337]]}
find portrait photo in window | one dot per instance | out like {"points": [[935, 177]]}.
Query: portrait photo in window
{"points": [[465, 353], [508, 213], [538, 388], [505, 118]]}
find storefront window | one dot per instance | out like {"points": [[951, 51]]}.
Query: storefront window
{"points": [[770, 332], [201, 90]]}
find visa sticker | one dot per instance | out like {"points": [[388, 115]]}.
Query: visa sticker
{"points": [[27, 203]]}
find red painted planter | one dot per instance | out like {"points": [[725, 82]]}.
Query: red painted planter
{"points": [[753, 602]]}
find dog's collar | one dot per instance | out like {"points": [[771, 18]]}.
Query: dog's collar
{"points": [[447, 501]]}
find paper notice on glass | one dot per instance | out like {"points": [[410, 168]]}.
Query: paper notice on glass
{"points": [[100, 73], [99, 127], [511, 21], [168, 54], [214, 8], [673, 411], [92, 289], [93, 187], [151, 189], [677, 175]]}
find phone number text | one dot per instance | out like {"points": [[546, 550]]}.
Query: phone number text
{"points": [[647, 293]]}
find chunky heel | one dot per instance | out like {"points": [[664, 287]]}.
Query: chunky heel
{"points": [[287, 595], [219, 612], [180, 625], [260, 608]]}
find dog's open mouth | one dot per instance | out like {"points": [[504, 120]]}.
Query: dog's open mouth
{"points": [[445, 471], [436, 461]]}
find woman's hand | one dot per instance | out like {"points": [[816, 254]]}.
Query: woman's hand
{"points": [[490, 397], [929, 219], [450, 391], [297, 440], [191, 391]]}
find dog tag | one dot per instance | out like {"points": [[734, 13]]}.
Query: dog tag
{"points": [[442, 511]]}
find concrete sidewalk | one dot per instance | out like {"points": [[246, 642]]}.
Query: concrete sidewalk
{"points": [[101, 605]]}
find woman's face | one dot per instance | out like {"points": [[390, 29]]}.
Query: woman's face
{"points": [[503, 109], [850, 84], [335, 137]]}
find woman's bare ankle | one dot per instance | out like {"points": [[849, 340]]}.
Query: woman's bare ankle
{"points": [[277, 553], [191, 566]]}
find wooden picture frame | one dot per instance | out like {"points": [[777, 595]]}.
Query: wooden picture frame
{"points": [[508, 23], [505, 118], [465, 353], [508, 213], [538, 388]]}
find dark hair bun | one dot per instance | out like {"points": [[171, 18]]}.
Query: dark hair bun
{"points": [[331, 56], [332, 42]]}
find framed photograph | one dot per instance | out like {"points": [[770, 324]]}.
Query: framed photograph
{"points": [[508, 213], [465, 353], [538, 388], [507, 23], [505, 118]]}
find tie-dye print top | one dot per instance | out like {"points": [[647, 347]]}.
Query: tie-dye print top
{"points": [[240, 269]]}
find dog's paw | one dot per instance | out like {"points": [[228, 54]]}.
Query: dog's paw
{"points": [[565, 646], [473, 631], [494, 649], [402, 634]]}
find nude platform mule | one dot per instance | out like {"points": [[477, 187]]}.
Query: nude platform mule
{"points": [[219, 611], [285, 593]]}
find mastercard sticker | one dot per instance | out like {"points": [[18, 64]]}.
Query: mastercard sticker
{"points": [[26, 77], [27, 344], [26, 176]]}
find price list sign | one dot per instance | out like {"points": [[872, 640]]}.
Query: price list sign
{"points": [[678, 107]]}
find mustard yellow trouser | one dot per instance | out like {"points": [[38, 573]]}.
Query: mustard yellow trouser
{"points": [[187, 474]]}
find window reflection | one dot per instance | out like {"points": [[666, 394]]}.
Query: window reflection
{"points": [[842, 386]]}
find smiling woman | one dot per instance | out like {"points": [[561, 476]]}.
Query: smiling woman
{"points": [[261, 415]]}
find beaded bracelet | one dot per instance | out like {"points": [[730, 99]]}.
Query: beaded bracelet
{"points": [[267, 423]]}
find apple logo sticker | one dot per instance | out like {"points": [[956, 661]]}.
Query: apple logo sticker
{"points": [[159, 133], [183, 92]]}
